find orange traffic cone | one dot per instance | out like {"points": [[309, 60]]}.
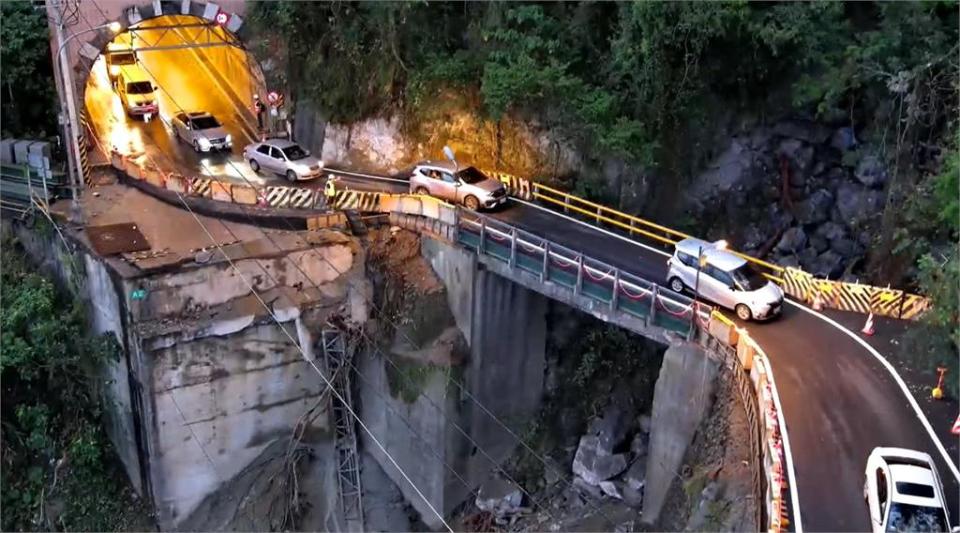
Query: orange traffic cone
{"points": [[868, 327], [817, 302]]}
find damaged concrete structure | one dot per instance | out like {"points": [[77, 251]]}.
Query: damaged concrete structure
{"points": [[212, 376]]}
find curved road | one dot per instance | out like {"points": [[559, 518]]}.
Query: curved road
{"points": [[839, 401]]}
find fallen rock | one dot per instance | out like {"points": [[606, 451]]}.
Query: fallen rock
{"points": [[829, 264], [613, 424], [843, 139], [500, 497], [804, 130], [845, 247], [612, 489], [585, 490], [855, 204], [592, 464], [632, 497], [816, 208], [792, 240], [871, 171], [638, 446], [831, 231], [800, 154], [636, 476]]}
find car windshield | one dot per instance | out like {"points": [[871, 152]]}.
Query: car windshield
{"points": [[471, 175], [140, 87], [748, 278], [204, 123], [294, 152], [123, 58], [906, 517]]}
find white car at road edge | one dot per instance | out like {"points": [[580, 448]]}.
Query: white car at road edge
{"points": [[903, 492]]}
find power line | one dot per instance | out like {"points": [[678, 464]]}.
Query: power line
{"points": [[463, 390], [328, 383]]}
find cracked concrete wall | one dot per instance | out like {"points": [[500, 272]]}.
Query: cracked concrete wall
{"points": [[481, 332]]}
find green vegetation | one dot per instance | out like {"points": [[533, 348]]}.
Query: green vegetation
{"points": [[58, 468], [654, 83], [29, 95], [407, 379]]}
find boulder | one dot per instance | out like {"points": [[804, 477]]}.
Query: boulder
{"points": [[805, 130], [831, 230], [843, 139], [612, 489], [816, 208], [855, 203], [818, 243], [614, 423], [499, 497], [800, 155], [792, 240], [871, 171], [829, 264], [636, 476], [632, 497], [845, 247], [593, 464], [589, 491], [638, 446]]}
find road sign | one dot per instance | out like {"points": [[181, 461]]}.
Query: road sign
{"points": [[956, 426], [138, 294], [222, 18], [273, 97]]}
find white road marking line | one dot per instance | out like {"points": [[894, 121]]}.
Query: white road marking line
{"points": [[364, 176], [788, 455], [897, 378]]}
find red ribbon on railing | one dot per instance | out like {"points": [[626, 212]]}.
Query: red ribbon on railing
{"points": [[602, 277], [664, 306], [626, 292]]}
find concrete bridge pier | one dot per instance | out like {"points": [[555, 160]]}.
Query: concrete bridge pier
{"points": [[483, 342]]}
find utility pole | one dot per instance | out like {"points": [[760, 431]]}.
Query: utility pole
{"points": [[68, 112]]}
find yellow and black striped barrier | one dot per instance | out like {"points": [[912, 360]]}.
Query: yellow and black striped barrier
{"points": [[516, 186], [199, 187], [854, 297], [358, 200], [84, 150], [290, 197]]}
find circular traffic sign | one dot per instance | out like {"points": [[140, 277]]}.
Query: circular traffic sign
{"points": [[222, 18], [273, 97]]}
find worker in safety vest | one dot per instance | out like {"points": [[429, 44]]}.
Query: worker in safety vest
{"points": [[329, 190]]}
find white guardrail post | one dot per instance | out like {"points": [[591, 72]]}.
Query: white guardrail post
{"points": [[546, 261], [483, 235], [653, 304], [615, 295], [579, 286], [513, 248]]}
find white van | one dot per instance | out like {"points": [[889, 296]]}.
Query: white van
{"points": [[725, 279], [137, 93]]}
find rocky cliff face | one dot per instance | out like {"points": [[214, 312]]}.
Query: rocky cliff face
{"points": [[797, 193]]}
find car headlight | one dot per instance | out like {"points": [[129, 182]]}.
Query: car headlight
{"points": [[204, 143], [114, 70], [229, 139]]}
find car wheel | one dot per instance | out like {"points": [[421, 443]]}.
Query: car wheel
{"points": [[471, 203], [743, 312], [676, 285], [255, 166], [291, 176], [421, 190]]}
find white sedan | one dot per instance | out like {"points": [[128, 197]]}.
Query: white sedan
{"points": [[284, 158], [202, 131], [903, 492]]}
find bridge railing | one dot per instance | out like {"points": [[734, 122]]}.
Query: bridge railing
{"points": [[584, 276]]}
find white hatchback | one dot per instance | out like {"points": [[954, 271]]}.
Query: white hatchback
{"points": [[903, 492], [723, 278]]}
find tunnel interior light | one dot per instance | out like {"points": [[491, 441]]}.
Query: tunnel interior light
{"points": [[115, 27]]}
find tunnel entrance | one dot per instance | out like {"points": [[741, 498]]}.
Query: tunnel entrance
{"points": [[155, 83]]}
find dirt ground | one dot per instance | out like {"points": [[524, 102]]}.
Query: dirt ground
{"points": [[398, 251]]}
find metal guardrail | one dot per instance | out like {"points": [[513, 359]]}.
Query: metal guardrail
{"points": [[582, 275], [22, 187], [633, 225]]}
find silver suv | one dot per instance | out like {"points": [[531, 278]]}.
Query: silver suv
{"points": [[467, 186], [283, 157], [202, 131], [725, 279]]}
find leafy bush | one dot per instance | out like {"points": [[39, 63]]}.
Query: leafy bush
{"points": [[58, 469]]}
